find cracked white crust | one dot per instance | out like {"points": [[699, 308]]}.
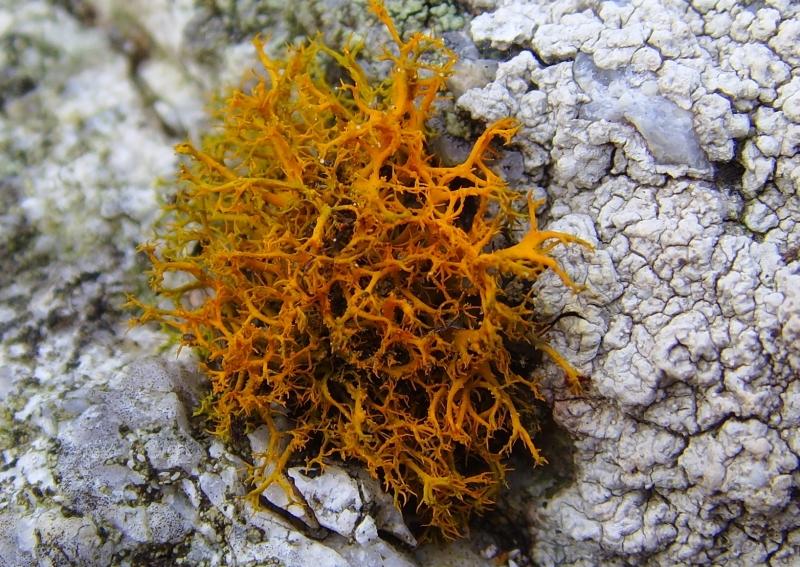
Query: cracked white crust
{"points": [[687, 438]]}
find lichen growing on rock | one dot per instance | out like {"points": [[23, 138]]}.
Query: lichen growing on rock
{"points": [[326, 268]]}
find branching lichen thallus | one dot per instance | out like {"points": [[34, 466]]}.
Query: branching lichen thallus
{"points": [[327, 268]]}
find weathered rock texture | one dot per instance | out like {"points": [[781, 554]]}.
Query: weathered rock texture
{"points": [[667, 132]]}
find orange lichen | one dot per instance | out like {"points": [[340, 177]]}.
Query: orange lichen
{"points": [[332, 271]]}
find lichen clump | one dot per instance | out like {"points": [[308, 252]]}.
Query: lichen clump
{"points": [[329, 270]]}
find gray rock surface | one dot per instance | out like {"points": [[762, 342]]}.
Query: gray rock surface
{"points": [[672, 128], [666, 133]]}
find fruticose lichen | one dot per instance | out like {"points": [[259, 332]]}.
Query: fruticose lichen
{"points": [[327, 269]]}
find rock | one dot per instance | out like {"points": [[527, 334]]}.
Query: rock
{"points": [[682, 439]]}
